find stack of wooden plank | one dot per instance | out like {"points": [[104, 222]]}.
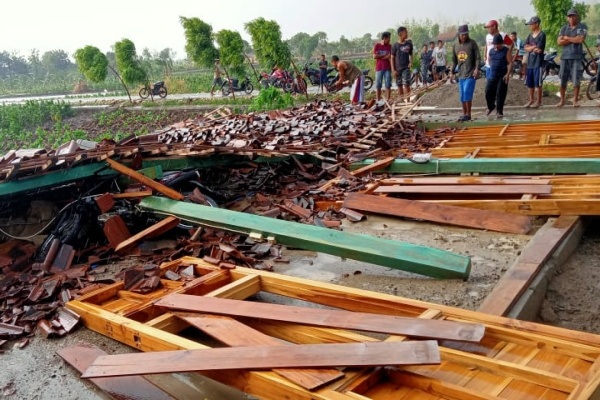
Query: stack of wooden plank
{"points": [[513, 359]]}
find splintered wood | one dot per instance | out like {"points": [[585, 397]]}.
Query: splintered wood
{"points": [[513, 359]]}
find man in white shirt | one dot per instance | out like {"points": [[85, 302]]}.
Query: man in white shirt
{"points": [[439, 57]]}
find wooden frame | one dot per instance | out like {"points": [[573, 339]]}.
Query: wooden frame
{"points": [[515, 359]]}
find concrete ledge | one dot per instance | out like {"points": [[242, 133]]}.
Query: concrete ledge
{"points": [[529, 304]]}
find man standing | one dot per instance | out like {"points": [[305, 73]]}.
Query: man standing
{"points": [[520, 51], [492, 28], [322, 72], [349, 74], [465, 57], [382, 53], [535, 44], [439, 57], [217, 81], [402, 60], [571, 38]]}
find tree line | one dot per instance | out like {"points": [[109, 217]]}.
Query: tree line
{"points": [[203, 46]]}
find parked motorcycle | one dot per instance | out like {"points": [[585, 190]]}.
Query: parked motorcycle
{"points": [[313, 74], [551, 67], [245, 86], [157, 89]]}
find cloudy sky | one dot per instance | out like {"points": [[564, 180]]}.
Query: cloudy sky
{"points": [[69, 24]]}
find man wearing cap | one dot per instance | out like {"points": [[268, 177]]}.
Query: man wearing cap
{"points": [[492, 28], [535, 44], [465, 58], [571, 38]]}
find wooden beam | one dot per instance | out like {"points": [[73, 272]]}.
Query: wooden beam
{"points": [[236, 334], [466, 189], [451, 215], [266, 357], [576, 207], [391, 253], [157, 186], [520, 275], [492, 166], [157, 229], [413, 327], [81, 356]]}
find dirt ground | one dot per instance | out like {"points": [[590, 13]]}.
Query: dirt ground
{"points": [[447, 96], [36, 372]]}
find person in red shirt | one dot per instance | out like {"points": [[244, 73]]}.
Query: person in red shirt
{"points": [[382, 53]]}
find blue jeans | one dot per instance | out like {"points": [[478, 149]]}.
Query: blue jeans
{"points": [[380, 76]]}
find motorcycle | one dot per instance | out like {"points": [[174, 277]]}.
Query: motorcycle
{"points": [[245, 86], [331, 87], [158, 89], [551, 67], [313, 74]]}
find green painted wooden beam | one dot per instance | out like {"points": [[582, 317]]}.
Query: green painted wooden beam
{"points": [[60, 177], [492, 166], [390, 253]]}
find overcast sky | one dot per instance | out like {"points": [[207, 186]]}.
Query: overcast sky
{"points": [[69, 24]]}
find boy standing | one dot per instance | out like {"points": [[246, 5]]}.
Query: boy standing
{"points": [[217, 80], [535, 44], [382, 53], [439, 57], [402, 59], [465, 57], [322, 72]]}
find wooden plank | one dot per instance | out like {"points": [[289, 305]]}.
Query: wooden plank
{"points": [[451, 215], [520, 275], [492, 166], [266, 357], [132, 195], [467, 189], [413, 327], [465, 180], [157, 229], [81, 356], [236, 334], [391, 253], [574, 207], [157, 186]]}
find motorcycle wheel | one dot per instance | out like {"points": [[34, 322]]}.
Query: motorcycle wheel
{"points": [[288, 87], [249, 88], [225, 89], [144, 93], [591, 67], [368, 83], [591, 91], [162, 92]]}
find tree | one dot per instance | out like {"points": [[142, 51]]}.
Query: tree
{"points": [[231, 50], [56, 60], [199, 44], [93, 64], [553, 16], [269, 49], [128, 65]]}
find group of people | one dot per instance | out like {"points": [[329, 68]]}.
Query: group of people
{"points": [[499, 59]]}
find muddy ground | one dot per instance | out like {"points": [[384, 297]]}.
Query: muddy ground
{"points": [[36, 372]]}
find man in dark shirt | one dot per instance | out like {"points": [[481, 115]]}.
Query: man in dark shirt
{"points": [[535, 44], [571, 38], [402, 59], [465, 58]]}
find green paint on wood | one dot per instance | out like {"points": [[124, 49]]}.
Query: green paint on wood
{"points": [[492, 166], [390, 253]]}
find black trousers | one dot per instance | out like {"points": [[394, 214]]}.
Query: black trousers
{"points": [[495, 94]]}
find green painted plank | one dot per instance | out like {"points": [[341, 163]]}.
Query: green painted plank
{"points": [[54, 178], [492, 166], [390, 253], [64, 176]]}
